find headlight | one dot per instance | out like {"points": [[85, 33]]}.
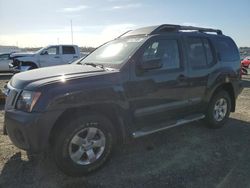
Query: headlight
{"points": [[27, 100]]}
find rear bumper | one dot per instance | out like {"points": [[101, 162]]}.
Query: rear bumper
{"points": [[30, 131]]}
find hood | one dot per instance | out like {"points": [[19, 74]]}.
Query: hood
{"points": [[53, 74], [22, 54]]}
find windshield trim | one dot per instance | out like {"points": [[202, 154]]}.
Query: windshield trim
{"points": [[40, 50]]}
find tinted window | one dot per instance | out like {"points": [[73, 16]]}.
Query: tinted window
{"points": [[165, 50], [200, 53], [227, 49], [196, 53], [68, 50], [209, 53]]}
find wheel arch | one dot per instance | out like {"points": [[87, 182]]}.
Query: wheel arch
{"points": [[228, 87], [33, 65], [112, 112]]}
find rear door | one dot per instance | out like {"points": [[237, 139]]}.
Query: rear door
{"points": [[68, 54], [159, 94], [201, 62]]}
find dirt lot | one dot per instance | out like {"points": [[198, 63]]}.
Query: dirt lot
{"points": [[187, 156]]}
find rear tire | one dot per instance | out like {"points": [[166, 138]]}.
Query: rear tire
{"points": [[219, 109], [83, 144]]}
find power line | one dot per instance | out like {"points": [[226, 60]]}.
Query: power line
{"points": [[71, 31]]}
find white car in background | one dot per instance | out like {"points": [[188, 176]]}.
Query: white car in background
{"points": [[49, 56], [4, 62]]}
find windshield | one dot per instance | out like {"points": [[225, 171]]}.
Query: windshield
{"points": [[40, 50], [114, 52]]}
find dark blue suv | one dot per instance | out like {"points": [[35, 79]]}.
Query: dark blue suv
{"points": [[145, 81]]}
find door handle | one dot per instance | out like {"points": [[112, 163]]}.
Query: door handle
{"points": [[56, 57], [181, 78], [75, 56]]}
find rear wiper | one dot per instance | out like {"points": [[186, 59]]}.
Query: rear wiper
{"points": [[94, 65]]}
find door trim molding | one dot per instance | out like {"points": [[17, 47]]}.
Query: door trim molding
{"points": [[165, 107]]}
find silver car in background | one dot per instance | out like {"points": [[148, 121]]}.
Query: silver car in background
{"points": [[4, 62]]}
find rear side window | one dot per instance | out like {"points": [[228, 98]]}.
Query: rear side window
{"points": [[196, 53], [209, 52], [200, 53], [228, 51], [68, 50]]}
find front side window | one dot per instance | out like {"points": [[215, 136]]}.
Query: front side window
{"points": [[166, 51], [53, 50]]}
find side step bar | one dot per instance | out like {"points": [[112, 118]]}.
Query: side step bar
{"points": [[148, 131]]}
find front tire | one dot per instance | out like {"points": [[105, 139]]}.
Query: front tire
{"points": [[219, 109], [83, 144]]}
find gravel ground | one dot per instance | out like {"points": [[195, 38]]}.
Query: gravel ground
{"points": [[186, 156]]}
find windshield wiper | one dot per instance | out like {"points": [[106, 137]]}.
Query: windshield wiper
{"points": [[94, 65]]}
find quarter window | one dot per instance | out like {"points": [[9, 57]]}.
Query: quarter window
{"points": [[166, 51], [227, 49]]}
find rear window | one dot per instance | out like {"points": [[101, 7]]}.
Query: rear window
{"points": [[68, 50], [227, 49]]}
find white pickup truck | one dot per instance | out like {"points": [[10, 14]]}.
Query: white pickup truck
{"points": [[48, 56]]}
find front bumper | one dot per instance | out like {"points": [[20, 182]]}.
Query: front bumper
{"points": [[18, 67], [30, 131]]}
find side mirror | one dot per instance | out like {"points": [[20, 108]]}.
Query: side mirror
{"points": [[151, 64], [45, 52]]}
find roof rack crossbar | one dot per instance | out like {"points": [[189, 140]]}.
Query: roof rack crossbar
{"points": [[176, 28]]}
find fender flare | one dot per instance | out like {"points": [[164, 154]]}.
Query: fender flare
{"points": [[30, 64]]}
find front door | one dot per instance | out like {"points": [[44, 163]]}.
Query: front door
{"points": [[50, 57], [159, 94]]}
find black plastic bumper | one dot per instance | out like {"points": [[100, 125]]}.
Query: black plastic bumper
{"points": [[30, 131]]}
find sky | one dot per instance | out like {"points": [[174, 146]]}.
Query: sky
{"points": [[36, 23]]}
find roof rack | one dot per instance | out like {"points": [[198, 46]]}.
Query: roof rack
{"points": [[168, 28], [177, 28], [123, 34]]}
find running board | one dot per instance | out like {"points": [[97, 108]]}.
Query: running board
{"points": [[147, 131]]}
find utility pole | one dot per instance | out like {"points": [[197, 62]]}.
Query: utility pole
{"points": [[71, 31]]}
